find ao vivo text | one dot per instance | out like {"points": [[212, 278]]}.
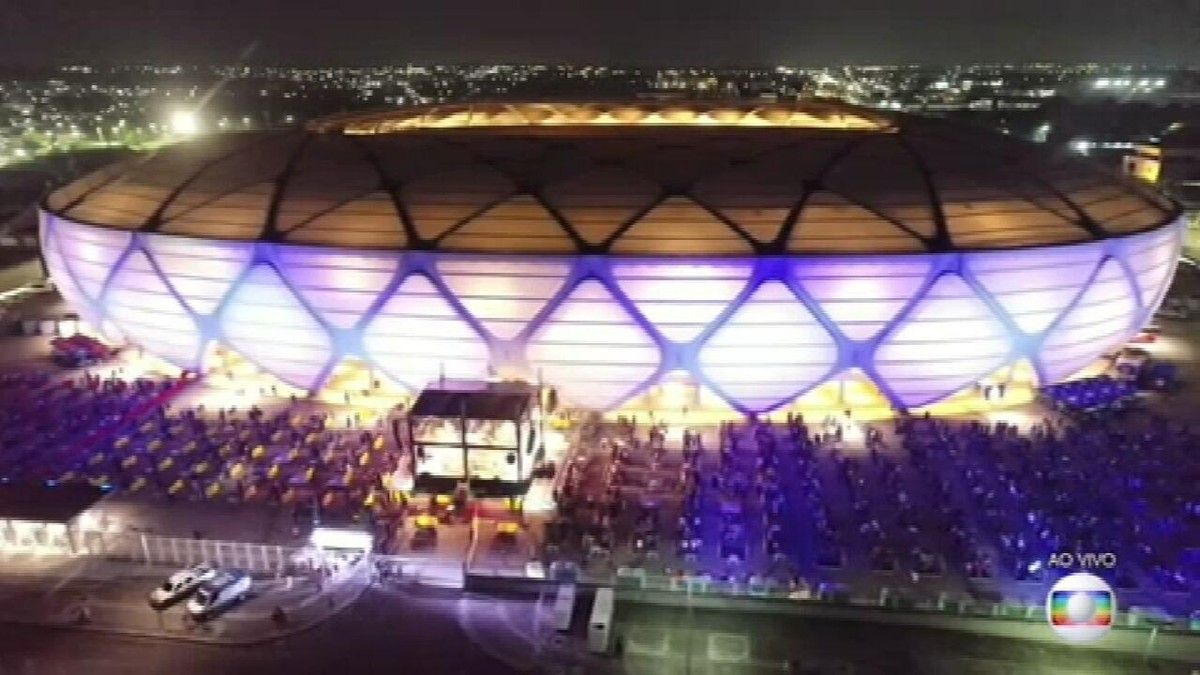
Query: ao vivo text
{"points": [[1066, 560]]}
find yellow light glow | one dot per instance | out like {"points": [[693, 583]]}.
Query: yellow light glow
{"points": [[810, 114]]}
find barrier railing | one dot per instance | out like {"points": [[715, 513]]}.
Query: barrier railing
{"points": [[177, 551], [945, 603], [636, 579]]}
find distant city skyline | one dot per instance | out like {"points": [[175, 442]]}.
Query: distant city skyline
{"points": [[701, 32]]}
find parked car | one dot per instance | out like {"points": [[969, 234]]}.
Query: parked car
{"points": [[225, 589], [181, 585]]}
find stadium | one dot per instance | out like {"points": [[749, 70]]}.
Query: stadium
{"points": [[746, 256]]}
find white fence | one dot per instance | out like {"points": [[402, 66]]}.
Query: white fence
{"points": [[155, 550]]}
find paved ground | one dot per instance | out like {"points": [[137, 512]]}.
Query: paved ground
{"points": [[419, 633], [430, 631], [659, 640], [114, 595]]}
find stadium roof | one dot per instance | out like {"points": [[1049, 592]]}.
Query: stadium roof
{"points": [[635, 179]]}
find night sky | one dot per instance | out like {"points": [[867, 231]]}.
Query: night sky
{"points": [[646, 32]]}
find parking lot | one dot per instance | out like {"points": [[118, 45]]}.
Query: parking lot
{"points": [[116, 597]]}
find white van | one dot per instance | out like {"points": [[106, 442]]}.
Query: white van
{"points": [[223, 590]]}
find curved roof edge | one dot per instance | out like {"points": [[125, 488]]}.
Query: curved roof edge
{"points": [[810, 114]]}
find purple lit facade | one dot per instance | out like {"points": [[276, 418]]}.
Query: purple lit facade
{"points": [[757, 330]]}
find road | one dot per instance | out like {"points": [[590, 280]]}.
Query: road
{"points": [[418, 632]]}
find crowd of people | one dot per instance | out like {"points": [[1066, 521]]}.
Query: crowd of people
{"points": [[1091, 395], [246, 456], [1122, 484], [126, 436], [46, 423], [919, 498], [789, 500]]}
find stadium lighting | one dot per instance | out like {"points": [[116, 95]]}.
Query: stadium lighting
{"points": [[184, 122], [753, 336]]}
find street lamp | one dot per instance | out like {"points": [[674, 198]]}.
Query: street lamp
{"points": [[184, 123]]}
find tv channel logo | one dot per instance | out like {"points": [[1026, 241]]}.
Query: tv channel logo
{"points": [[1080, 608]]}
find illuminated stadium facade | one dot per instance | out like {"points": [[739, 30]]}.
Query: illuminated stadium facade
{"points": [[755, 252]]}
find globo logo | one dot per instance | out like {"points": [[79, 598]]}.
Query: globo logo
{"points": [[1080, 607]]}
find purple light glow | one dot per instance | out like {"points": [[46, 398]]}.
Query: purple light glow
{"points": [[417, 336], [756, 331], [1100, 320], [267, 324]]}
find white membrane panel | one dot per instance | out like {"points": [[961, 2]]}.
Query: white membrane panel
{"points": [[503, 295], [1100, 321], [681, 299], [201, 271], [769, 351], [267, 324], [64, 281], [90, 253], [417, 337], [340, 286], [144, 310], [1152, 259], [948, 341], [592, 348], [862, 296], [1035, 287]]}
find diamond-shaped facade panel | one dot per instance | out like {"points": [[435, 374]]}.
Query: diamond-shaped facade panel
{"points": [[503, 295], [240, 215], [145, 311], [862, 296], [1153, 258], [340, 286], [881, 174], [437, 203], [368, 220], [417, 337], [201, 271], [770, 350], [597, 203], [330, 170], [519, 225], [829, 223], [679, 224], [757, 198], [1099, 321], [948, 341], [64, 281], [265, 322], [90, 253], [1034, 287], [592, 348], [680, 300]]}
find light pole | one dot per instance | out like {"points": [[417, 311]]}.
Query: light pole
{"points": [[691, 629], [1155, 624]]}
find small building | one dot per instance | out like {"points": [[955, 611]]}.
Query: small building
{"points": [[486, 435], [46, 518]]}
